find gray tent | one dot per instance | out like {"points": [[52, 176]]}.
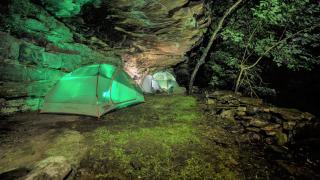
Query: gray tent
{"points": [[150, 85]]}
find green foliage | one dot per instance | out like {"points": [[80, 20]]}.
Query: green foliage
{"points": [[232, 35], [224, 68], [256, 27], [271, 11]]}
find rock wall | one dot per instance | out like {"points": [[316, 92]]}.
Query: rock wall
{"points": [[257, 121], [43, 40], [36, 50]]}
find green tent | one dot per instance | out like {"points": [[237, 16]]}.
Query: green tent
{"points": [[166, 81], [92, 90]]}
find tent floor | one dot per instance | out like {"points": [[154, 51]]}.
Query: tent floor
{"points": [[168, 136]]}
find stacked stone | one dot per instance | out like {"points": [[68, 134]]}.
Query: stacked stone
{"points": [[259, 121]]}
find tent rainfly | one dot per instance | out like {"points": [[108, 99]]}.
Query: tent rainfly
{"points": [[92, 90], [162, 81], [166, 81]]}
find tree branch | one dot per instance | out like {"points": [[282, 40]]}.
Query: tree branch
{"points": [[244, 68], [213, 37], [277, 44]]}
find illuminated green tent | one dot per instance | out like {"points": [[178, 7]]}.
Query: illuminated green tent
{"points": [[166, 81], [92, 90]]}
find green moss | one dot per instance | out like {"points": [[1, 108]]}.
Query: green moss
{"points": [[176, 109], [173, 151], [163, 139], [144, 152], [196, 168], [69, 144]]}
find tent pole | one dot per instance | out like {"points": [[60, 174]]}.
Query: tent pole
{"points": [[111, 82], [97, 93]]}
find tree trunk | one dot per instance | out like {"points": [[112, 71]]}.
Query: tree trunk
{"points": [[213, 37]]}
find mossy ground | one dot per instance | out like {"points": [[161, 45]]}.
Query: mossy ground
{"points": [[162, 138], [167, 137]]}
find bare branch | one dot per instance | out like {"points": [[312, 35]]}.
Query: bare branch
{"points": [[213, 37]]}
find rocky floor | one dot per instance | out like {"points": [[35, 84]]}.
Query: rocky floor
{"points": [[219, 136]]}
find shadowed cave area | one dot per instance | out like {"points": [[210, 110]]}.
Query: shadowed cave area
{"points": [[159, 89]]}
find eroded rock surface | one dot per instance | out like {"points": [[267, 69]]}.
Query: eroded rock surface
{"points": [[170, 30], [150, 35], [43, 41]]}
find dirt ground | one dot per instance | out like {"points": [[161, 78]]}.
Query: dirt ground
{"points": [[167, 137]]}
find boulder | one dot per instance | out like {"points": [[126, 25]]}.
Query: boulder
{"points": [[21, 73], [251, 110], [242, 108], [269, 140], [179, 90], [220, 93], [241, 111], [246, 118], [253, 129], [245, 123], [271, 133], [51, 168], [51, 60], [308, 116], [243, 138], [211, 101], [258, 122], [281, 138], [289, 125], [271, 127], [22, 90], [266, 109], [9, 47], [227, 114], [21, 105], [255, 137], [251, 101], [291, 114]]}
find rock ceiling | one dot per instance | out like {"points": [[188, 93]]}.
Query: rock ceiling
{"points": [[158, 33]]}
